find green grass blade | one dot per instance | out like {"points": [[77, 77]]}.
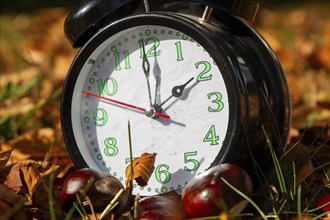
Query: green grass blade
{"points": [[262, 214], [325, 214], [299, 201], [79, 211], [50, 197], [130, 148], [294, 178], [318, 208], [282, 206], [70, 213], [277, 165]]}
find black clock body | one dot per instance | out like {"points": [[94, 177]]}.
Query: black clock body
{"points": [[259, 99]]}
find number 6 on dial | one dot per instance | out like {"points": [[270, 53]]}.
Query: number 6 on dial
{"points": [[162, 171]]}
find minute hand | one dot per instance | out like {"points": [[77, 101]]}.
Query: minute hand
{"points": [[146, 70], [177, 91]]}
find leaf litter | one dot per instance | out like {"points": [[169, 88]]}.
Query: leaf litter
{"points": [[35, 57]]}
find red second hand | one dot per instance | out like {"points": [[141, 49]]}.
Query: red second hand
{"points": [[125, 104]]}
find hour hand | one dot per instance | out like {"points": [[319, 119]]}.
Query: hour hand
{"points": [[177, 91]]}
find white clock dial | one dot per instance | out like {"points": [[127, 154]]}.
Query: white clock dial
{"points": [[186, 127]]}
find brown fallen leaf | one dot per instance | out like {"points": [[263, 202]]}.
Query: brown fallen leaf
{"points": [[34, 55], [26, 178], [13, 180], [4, 157], [143, 167], [31, 176], [22, 77], [50, 170], [306, 173], [8, 195], [61, 66], [300, 154], [34, 145], [8, 200], [13, 108]]}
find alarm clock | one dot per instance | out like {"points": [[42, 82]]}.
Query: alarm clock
{"points": [[197, 84]]}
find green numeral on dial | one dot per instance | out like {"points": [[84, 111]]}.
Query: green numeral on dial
{"points": [[194, 162], [117, 60], [152, 52], [100, 116], [128, 160], [207, 67], [179, 51], [127, 62], [217, 100], [110, 147], [104, 86], [162, 174], [211, 136]]}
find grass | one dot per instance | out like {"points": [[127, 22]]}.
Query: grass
{"points": [[13, 124], [289, 197]]}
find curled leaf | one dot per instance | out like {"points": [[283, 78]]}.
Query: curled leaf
{"points": [[31, 176], [38, 190], [4, 157], [143, 167], [14, 180]]}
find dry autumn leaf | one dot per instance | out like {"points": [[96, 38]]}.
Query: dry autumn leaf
{"points": [[8, 200], [4, 157], [31, 176], [8, 195], [143, 167], [14, 181], [21, 77], [34, 145], [26, 178]]}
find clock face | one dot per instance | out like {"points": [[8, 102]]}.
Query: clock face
{"points": [[170, 90]]}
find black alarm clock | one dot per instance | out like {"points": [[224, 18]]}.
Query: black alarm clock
{"points": [[198, 85]]}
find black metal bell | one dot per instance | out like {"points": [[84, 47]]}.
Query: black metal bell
{"points": [[92, 15], [246, 9]]}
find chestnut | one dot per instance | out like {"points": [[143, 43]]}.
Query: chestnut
{"points": [[322, 201], [208, 195], [102, 188], [160, 208]]}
